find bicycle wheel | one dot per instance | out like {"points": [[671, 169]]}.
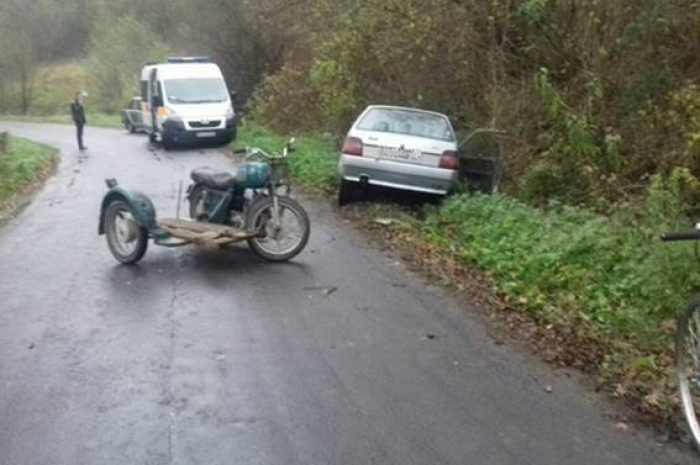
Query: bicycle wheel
{"points": [[688, 364]]}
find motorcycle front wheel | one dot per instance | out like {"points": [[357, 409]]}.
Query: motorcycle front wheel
{"points": [[283, 241]]}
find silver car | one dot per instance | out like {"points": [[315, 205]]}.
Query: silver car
{"points": [[399, 148], [131, 117]]}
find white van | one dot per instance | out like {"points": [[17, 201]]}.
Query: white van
{"points": [[186, 100]]}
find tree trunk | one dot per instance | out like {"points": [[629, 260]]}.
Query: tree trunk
{"points": [[26, 89]]}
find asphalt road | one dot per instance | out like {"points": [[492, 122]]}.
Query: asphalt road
{"points": [[198, 356]]}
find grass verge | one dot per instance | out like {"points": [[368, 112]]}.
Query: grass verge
{"points": [[23, 168], [102, 120], [314, 163], [597, 293]]}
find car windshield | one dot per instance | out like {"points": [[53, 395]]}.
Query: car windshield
{"points": [[410, 122], [195, 90]]}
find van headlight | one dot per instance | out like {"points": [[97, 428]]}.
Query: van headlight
{"points": [[229, 113], [173, 121]]}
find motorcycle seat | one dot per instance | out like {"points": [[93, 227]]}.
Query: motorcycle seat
{"points": [[215, 179]]}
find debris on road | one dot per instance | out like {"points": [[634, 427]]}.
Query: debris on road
{"points": [[384, 221], [622, 426], [327, 290]]}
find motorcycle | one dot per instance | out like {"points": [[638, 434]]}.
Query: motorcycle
{"points": [[251, 203]]}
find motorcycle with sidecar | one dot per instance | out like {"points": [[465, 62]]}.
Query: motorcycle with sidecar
{"points": [[251, 203]]}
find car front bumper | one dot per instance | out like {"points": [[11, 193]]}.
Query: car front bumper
{"points": [[175, 131]]}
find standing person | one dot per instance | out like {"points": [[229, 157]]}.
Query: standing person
{"points": [[78, 112]]}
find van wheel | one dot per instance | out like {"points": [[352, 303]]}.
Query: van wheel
{"points": [[168, 143]]}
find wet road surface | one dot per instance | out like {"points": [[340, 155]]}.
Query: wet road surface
{"points": [[198, 356]]}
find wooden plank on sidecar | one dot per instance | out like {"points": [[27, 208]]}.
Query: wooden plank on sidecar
{"points": [[200, 232]]}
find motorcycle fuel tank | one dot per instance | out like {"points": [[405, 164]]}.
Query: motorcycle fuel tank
{"points": [[253, 175]]}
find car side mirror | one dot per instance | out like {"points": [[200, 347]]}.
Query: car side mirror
{"points": [[290, 145], [234, 94], [157, 101]]}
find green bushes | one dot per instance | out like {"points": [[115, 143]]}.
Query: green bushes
{"points": [[565, 263], [119, 49], [287, 102], [614, 101]]}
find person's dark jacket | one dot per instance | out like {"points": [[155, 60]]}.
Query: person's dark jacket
{"points": [[78, 112]]}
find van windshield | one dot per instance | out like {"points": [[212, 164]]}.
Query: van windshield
{"points": [[195, 90]]}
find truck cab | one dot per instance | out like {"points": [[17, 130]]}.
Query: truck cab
{"points": [[186, 100]]}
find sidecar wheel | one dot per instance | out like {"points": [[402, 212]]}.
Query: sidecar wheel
{"points": [[279, 242], [125, 238]]}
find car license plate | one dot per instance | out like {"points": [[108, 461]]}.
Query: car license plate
{"points": [[400, 153], [206, 134]]}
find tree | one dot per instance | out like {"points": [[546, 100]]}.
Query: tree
{"points": [[118, 51]]}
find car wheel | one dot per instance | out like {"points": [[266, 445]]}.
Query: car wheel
{"points": [[347, 192]]}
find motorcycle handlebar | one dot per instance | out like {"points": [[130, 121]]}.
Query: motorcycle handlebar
{"points": [[681, 236]]}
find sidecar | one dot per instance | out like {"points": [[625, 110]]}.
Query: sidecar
{"points": [[128, 220]]}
